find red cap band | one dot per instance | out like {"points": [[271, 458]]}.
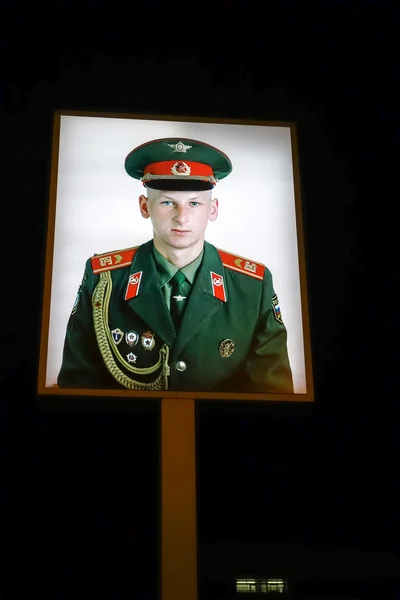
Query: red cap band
{"points": [[179, 168]]}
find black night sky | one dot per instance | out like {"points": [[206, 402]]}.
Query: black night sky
{"points": [[79, 487]]}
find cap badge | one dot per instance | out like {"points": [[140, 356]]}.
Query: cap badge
{"points": [[179, 147], [180, 168], [226, 348]]}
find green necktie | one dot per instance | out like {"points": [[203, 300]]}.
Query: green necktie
{"points": [[178, 298]]}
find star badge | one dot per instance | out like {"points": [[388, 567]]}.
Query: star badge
{"points": [[131, 357]]}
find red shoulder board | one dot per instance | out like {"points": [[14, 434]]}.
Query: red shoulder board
{"points": [[242, 265], [112, 260]]}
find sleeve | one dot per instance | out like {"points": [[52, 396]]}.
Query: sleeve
{"points": [[267, 365], [82, 365]]}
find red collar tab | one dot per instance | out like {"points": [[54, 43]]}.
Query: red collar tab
{"points": [[218, 286], [132, 289]]}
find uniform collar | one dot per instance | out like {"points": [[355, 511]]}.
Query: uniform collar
{"points": [[205, 299], [167, 270], [148, 301], [145, 263]]}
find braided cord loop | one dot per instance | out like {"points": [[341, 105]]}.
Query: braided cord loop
{"points": [[109, 349]]}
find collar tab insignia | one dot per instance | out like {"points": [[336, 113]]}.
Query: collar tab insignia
{"points": [[218, 286], [132, 289]]}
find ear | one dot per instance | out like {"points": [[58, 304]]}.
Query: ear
{"points": [[214, 210], [144, 206]]}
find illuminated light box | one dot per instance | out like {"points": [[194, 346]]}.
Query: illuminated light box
{"points": [[106, 325]]}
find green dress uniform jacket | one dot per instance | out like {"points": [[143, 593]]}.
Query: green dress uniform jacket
{"points": [[120, 333]]}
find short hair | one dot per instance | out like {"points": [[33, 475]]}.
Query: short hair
{"points": [[153, 194]]}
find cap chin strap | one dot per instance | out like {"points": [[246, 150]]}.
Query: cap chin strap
{"points": [[151, 176], [108, 348]]}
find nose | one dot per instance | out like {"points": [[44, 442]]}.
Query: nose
{"points": [[181, 215]]}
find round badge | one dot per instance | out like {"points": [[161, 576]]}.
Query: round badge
{"points": [[226, 348]]}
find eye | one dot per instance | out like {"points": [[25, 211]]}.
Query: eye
{"points": [[166, 202], [194, 203]]}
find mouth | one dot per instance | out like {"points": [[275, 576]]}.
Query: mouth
{"points": [[180, 231]]}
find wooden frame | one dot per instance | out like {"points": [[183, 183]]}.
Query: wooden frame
{"points": [[94, 140]]}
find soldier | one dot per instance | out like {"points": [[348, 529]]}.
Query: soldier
{"points": [[176, 313]]}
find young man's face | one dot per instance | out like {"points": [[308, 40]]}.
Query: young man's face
{"points": [[179, 219]]}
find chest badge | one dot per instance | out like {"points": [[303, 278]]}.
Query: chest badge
{"points": [[131, 338], [148, 341], [131, 358], [117, 335], [226, 348]]}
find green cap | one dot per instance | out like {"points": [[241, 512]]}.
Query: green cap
{"points": [[177, 164]]}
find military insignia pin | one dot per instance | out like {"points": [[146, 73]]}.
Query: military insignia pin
{"points": [[131, 358], [180, 168], [179, 147], [226, 348], [250, 266], [277, 309], [132, 289], [131, 338], [117, 335], [218, 287], [148, 341]]}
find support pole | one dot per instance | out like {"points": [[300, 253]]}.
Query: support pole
{"points": [[178, 500]]}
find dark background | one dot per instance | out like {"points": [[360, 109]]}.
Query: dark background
{"points": [[80, 481]]}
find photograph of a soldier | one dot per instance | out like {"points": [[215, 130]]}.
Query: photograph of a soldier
{"points": [[177, 312]]}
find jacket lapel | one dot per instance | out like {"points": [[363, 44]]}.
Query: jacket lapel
{"points": [[149, 303], [203, 304]]}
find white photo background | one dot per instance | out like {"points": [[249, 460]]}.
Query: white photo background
{"points": [[97, 210]]}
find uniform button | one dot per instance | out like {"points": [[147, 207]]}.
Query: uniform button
{"points": [[181, 365]]}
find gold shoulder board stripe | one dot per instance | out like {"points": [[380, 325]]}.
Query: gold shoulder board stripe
{"points": [[242, 265], [112, 260]]}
